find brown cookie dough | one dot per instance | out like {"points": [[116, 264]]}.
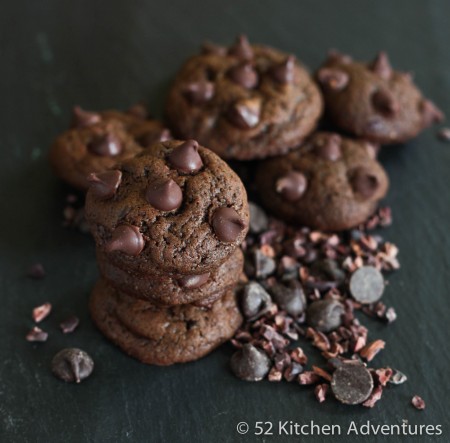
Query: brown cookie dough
{"points": [[163, 336], [331, 183], [169, 290], [97, 141], [244, 102], [372, 101], [175, 208]]}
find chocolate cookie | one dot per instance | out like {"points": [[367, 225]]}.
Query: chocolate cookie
{"points": [[372, 101], [244, 102], [169, 290], [331, 183], [163, 336], [97, 141], [175, 208]]}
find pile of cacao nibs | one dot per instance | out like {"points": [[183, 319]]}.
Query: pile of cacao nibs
{"points": [[302, 284]]}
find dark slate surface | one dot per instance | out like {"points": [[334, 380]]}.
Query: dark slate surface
{"points": [[55, 53]]}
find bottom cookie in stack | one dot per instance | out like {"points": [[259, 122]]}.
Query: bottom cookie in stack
{"points": [[163, 336]]}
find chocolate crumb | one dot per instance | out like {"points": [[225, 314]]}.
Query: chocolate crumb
{"points": [[69, 324], [36, 335], [41, 312]]}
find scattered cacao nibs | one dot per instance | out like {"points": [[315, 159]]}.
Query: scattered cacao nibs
{"points": [[36, 335], [69, 324], [308, 378], [320, 391], [36, 271], [374, 397], [372, 349], [418, 403], [72, 365], [41, 312]]}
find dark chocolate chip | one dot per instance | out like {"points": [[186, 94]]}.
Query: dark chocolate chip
{"points": [[259, 221], [325, 315], [367, 285], [244, 75], [381, 66], [329, 147], [255, 300], [241, 48], [328, 269], [107, 145], [193, 281], [185, 158], [150, 137], [72, 365], [82, 119], [363, 182], [36, 271], [352, 383], [227, 224], [250, 363], [333, 78], [199, 92], [104, 184], [165, 196], [385, 103], [289, 297], [284, 72], [263, 265], [127, 239], [291, 186], [245, 113], [69, 324], [36, 335]]}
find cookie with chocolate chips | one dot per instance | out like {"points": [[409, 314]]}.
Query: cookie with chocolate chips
{"points": [[98, 140], [372, 101], [244, 102], [330, 183], [175, 208], [163, 336]]}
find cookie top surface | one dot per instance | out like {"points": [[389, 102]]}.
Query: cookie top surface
{"points": [[245, 102], [175, 208], [372, 101], [331, 183], [97, 141]]}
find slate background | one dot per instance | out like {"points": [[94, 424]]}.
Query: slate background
{"points": [[56, 53]]}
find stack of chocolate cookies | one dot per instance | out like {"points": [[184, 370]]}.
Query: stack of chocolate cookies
{"points": [[167, 225]]}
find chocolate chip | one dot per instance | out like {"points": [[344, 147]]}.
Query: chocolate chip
{"points": [[289, 297], [165, 196], [430, 112], [72, 365], [241, 48], [107, 145], [36, 271], [259, 221], [255, 300], [381, 66], [150, 137], [363, 182], [227, 224], [36, 335], [418, 402], [193, 281], [104, 184], [329, 147], [244, 75], [250, 363], [385, 103], [325, 315], [352, 383], [291, 186], [127, 239], [69, 324], [41, 312], [367, 285], [333, 78], [82, 119], [263, 265], [284, 72], [328, 269], [245, 113], [185, 158], [199, 92]]}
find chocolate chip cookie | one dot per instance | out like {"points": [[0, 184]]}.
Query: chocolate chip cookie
{"points": [[97, 141], [170, 290], [331, 183], [372, 101], [163, 336], [244, 102], [175, 208]]}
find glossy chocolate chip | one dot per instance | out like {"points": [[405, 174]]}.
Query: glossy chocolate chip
{"points": [[381, 66], [385, 103], [107, 145], [193, 281], [325, 315], [185, 158], [244, 75], [284, 72], [363, 182], [291, 186], [250, 363], [259, 221], [241, 48], [227, 224], [165, 195], [150, 137], [245, 114], [72, 365], [104, 184], [333, 78], [82, 118], [127, 239], [199, 92], [255, 300], [367, 285], [329, 147], [289, 297], [352, 383]]}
